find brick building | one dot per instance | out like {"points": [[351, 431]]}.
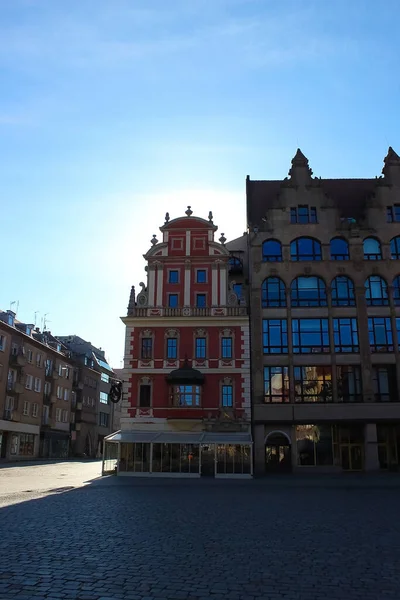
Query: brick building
{"points": [[186, 408]]}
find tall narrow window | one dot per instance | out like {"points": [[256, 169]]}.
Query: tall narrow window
{"points": [[173, 276], [226, 347], [305, 249], [310, 335], [339, 249], [345, 335], [172, 348], [273, 293], [272, 251], [144, 395], [172, 300], [200, 351], [372, 249], [349, 383], [200, 300], [147, 347], [201, 276], [384, 383], [308, 291], [275, 339], [276, 384], [343, 291], [395, 248], [396, 290], [227, 396], [376, 292], [380, 334]]}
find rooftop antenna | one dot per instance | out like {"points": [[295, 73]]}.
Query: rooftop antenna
{"points": [[12, 304], [35, 313], [45, 321]]}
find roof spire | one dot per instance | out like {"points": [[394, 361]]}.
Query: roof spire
{"points": [[300, 172], [391, 169]]}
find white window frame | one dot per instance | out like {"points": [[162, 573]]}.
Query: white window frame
{"points": [[25, 410], [59, 392], [58, 415], [37, 385], [29, 356], [38, 359], [47, 388], [64, 416], [66, 394], [3, 341], [35, 409], [29, 382]]}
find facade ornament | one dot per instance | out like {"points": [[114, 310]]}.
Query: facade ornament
{"points": [[233, 299], [188, 212], [154, 240], [222, 239], [210, 216], [166, 218], [131, 305], [142, 297]]}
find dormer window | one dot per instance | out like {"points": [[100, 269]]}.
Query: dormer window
{"points": [[303, 214], [10, 319]]}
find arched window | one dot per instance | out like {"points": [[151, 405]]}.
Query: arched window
{"points": [[273, 293], [305, 248], [343, 291], [396, 290], [395, 247], [339, 249], [372, 249], [376, 291], [272, 251], [308, 291]]}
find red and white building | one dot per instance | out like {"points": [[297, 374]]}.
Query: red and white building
{"points": [[186, 408]]}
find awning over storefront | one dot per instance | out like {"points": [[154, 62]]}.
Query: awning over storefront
{"points": [[166, 437]]}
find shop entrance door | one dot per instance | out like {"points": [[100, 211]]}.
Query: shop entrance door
{"points": [[352, 456], [208, 460], [278, 454]]}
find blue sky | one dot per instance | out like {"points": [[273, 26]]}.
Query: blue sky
{"points": [[114, 112]]}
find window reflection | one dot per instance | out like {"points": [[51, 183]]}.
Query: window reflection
{"points": [[313, 384], [276, 384]]}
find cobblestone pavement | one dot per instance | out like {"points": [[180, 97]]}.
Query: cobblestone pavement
{"points": [[126, 539]]}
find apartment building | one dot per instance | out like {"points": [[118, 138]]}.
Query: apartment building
{"points": [[324, 268]]}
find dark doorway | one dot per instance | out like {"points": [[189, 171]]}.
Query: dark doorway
{"points": [[208, 460], [3, 444], [278, 454]]}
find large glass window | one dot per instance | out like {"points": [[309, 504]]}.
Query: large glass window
{"points": [[384, 383], [227, 396], [272, 251], [393, 213], [26, 444], [226, 347], [380, 334], [308, 291], [313, 384], [175, 458], [310, 335], [348, 379], [200, 347], [186, 395], [339, 249], [135, 458], [376, 292], [396, 290], [343, 291], [345, 335], [172, 348], [395, 248], [276, 384], [275, 339], [314, 445], [273, 293], [305, 248], [147, 347], [233, 459], [372, 249], [303, 214]]}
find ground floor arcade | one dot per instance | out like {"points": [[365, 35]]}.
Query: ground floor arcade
{"points": [[326, 447]]}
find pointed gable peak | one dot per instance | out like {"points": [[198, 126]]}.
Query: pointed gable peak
{"points": [[299, 159], [300, 173], [392, 158], [391, 168]]}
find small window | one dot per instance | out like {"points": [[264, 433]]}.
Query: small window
{"points": [[173, 277], [343, 291], [393, 213], [147, 348], [29, 382], [226, 347], [66, 394], [103, 398], [35, 409], [376, 292], [303, 214], [339, 249], [272, 251], [273, 293], [227, 396], [308, 291], [103, 419], [380, 334], [172, 300], [345, 335], [144, 395], [310, 336], [37, 385], [372, 249], [200, 300], [276, 384], [201, 276], [105, 378], [38, 360], [29, 356], [172, 348], [65, 416], [200, 348], [25, 410], [395, 248], [59, 392], [275, 339], [238, 289], [2, 342], [10, 319], [305, 249]]}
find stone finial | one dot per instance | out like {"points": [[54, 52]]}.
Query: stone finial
{"points": [[222, 239], [210, 216], [188, 212], [300, 171], [166, 218], [391, 169], [131, 305], [154, 240]]}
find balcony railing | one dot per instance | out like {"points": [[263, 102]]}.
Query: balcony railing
{"points": [[15, 387], [187, 311]]}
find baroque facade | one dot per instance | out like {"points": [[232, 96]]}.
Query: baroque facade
{"points": [[324, 271], [186, 407]]}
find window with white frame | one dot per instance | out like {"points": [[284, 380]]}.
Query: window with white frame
{"points": [[60, 370], [105, 378], [59, 392], [2, 342], [103, 398], [35, 409], [65, 416], [47, 388], [37, 384], [38, 359], [227, 396], [25, 410], [9, 407], [58, 415], [29, 356], [28, 382], [66, 394]]}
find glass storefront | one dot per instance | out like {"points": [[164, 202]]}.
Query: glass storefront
{"points": [[330, 445], [234, 460]]}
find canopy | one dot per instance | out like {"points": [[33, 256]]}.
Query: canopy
{"points": [[167, 437]]}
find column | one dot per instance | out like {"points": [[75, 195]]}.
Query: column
{"points": [[371, 447], [223, 284], [152, 284], [214, 285], [160, 282], [186, 297], [259, 449]]}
